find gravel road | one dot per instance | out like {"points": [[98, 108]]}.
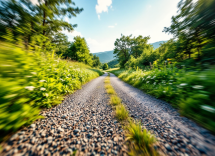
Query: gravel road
{"points": [[84, 123], [177, 135]]}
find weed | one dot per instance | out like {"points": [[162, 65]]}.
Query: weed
{"points": [[111, 91], [121, 112], [107, 80], [115, 100], [141, 141], [108, 86]]}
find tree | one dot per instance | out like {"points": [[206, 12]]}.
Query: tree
{"points": [[127, 46], [122, 49], [190, 25], [139, 44], [62, 43], [79, 51], [96, 61], [51, 10], [25, 19], [105, 66]]}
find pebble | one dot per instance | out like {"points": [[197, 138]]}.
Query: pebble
{"points": [[33, 125]]}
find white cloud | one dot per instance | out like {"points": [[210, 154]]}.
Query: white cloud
{"points": [[76, 33], [101, 46], [72, 34], [102, 6], [115, 23], [111, 26], [91, 41]]}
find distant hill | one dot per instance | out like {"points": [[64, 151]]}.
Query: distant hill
{"points": [[157, 44], [112, 63], [105, 57], [108, 56]]}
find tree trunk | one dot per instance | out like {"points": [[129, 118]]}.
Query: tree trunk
{"points": [[44, 19]]}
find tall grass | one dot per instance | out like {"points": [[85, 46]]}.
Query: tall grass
{"points": [[121, 112], [108, 86], [30, 81], [111, 91], [140, 140], [115, 100]]}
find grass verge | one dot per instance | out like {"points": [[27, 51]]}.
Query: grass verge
{"points": [[192, 92], [140, 141], [31, 81]]}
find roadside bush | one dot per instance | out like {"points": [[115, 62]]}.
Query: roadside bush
{"points": [[192, 92], [30, 81]]}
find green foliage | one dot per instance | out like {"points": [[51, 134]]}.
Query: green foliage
{"points": [[115, 100], [127, 46], [112, 63], [116, 71], [79, 51], [107, 81], [41, 19], [111, 91], [108, 86], [194, 29], [121, 112], [105, 66], [141, 140], [30, 81], [192, 92], [96, 61]]}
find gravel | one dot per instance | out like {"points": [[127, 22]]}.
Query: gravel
{"points": [[83, 122], [177, 135]]}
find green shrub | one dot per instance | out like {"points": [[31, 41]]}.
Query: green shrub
{"points": [[191, 92], [30, 81]]}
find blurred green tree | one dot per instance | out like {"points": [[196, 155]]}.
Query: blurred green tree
{"points": [[79, 51], [105, 66]]}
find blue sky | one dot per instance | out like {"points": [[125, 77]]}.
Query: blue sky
{"points": [[102, 21]]}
